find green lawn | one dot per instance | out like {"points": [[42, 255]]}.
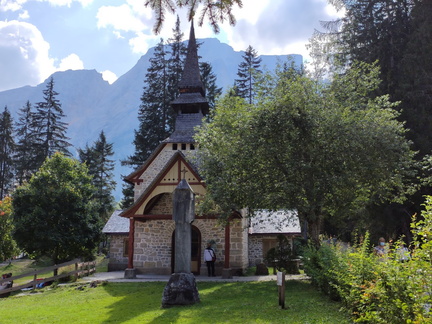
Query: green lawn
{"points": [[243, 302]]}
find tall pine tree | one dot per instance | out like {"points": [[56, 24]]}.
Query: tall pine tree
{"points": [[7, 147], [155, 113], [50, 131], [208, 79], [415, 87], [370, 30], [176, 55], [101, 167], [248, 71], [25, 156]]}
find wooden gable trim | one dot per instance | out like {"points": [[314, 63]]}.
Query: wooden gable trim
{"points": [[134, 177], [177, 158]]}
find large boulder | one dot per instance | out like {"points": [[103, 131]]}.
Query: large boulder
{"points": [[181, 289]]}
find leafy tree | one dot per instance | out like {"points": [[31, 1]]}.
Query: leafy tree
{"points": [[216, 11], [324, 150], [208, 79], [55, 213], [248, 72], [7, 147], [50, 130], [101, 169], [25, 157], [8, 247]]}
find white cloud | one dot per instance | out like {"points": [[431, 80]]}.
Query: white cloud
{"points": [[24, 15], [15, 5], [71, 62], [109, 76], [24, 58], [119, 18], [277, 26], [140, 43]]}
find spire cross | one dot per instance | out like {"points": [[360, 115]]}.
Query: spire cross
{"points": [[184, 171]]}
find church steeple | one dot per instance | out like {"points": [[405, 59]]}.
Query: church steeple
{"points": [[191, 79], [191, 97]]}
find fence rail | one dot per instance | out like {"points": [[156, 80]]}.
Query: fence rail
{"points": [[81, 269]]}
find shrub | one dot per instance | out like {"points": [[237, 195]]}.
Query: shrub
{"points": [[378, 290]]}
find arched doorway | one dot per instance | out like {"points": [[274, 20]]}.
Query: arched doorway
{"points": [[195, 251]]}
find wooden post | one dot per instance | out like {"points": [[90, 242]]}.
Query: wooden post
{"points": [[131, 242], [227, 246], [76, 271], [281, 288], [34, 281]]}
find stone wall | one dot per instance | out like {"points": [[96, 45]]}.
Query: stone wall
{"points": [[164, 205], [117, 260], [255, 250], [153, 246]]}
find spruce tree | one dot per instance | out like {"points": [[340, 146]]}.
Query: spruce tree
{"points": [[415, 85], [176, 55], [128, 195], [25, 156], [7, 147], [208, 79], [101, 167], [370, 30], [248, 71], [50, 130], [155, 112]]}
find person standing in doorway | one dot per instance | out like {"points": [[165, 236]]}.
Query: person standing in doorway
{"points": [[210, 258]]}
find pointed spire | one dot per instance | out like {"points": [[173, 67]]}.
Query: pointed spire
{"points": [[191, 98], [191, 78]]}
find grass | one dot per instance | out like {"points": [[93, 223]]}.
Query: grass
{"points": [[236, 302]]}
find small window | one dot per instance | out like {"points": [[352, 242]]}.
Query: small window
{"points": [[192, 147], [174, 146], [183, 146], [126, 247]]}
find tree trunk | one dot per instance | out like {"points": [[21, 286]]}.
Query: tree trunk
{"points": [[314, 228]]}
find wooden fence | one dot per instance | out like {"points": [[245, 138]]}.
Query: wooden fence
{"points": [[81, 269]]}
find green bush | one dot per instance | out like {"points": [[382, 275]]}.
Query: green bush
{"points": [[378, 290]]}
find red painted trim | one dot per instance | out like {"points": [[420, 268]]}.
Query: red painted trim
{"points": [[176, 183], [227, 246], [168, 216], [131, 243]]}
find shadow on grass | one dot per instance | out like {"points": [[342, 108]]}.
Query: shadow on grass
{"points": [[237, 302]]}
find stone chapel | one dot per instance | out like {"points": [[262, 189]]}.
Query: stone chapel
{"points": [[142, 236]]}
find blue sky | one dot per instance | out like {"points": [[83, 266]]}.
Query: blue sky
{"points": [[39, 37]]}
